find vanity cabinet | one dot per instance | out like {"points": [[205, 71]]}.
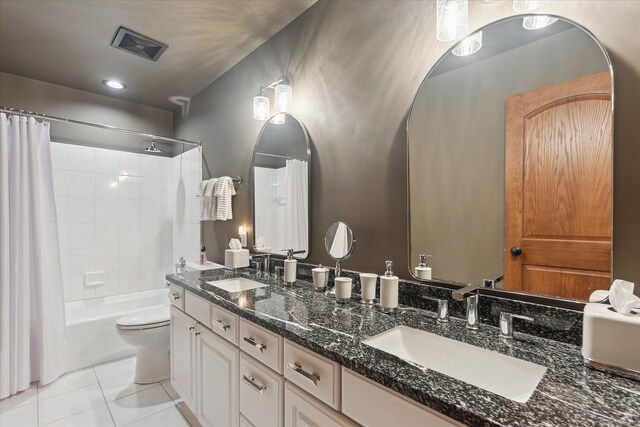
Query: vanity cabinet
{"points": [[183, 356], [217, 380], [231, 372]]}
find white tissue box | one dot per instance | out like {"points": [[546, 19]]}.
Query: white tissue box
{"points": [[236, 258], [609, 340]]}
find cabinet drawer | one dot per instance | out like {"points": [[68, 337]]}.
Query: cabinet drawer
{"points": [[372, 404], [302, 410], [263, 345], [313, 373], [224, 324], [198, 308], [176, 296], [261, 394]]}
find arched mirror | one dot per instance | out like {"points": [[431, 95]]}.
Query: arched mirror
{"points": [[510, 160], [281, 174]]}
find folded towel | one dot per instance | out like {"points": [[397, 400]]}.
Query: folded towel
{"points": [[207, 202], [223, 191]]}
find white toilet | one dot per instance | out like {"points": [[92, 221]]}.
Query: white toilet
{"points": [[148, 331]]}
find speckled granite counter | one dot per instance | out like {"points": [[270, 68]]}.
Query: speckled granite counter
{"points": [[570, 394]]}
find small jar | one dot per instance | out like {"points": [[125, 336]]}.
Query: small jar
{"points": [[343, 289]]}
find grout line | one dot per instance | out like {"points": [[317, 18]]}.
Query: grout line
{"points": [[103, 396]]}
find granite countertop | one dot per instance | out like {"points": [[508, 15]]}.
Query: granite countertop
{"points": [[569, 394]]}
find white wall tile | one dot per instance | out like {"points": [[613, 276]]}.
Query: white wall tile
{"points": [[106, 210], [128, 210], [64, 260], [107, 259], [60, 156], [112, 287], [128, 164], [60, 182], [150, 188], [82, 235], [129, 281], [81, 158], [106, 235], [149, 166], [130, 234], [151, 211], [130, 257], [80, 184], [106, 161], [63, 235], [82, 261], [81, 209], [62, 209], [105, 185], [128, 187]]}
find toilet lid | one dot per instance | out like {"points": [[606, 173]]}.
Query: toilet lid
{"points": [[148, 318]]}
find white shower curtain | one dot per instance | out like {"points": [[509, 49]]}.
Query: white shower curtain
{"points": [[32, 319], [296, 231]]}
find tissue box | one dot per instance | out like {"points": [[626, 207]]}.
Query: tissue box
{"points": [[609, 340], [236, 258]]}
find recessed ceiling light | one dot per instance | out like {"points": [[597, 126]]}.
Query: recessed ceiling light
{"points": [[114, 84]]}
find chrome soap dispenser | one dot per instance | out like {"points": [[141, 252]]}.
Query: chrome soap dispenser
{"points": [[423, 271], [388, 290]]}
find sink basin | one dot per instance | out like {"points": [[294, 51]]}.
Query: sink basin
{"points": [[237, 284], [506, 376]]}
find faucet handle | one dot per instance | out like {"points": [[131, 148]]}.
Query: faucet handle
{"points": [[258, 265], [506, 323], [443, 308]]}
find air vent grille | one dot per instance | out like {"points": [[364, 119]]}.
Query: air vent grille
{"points": [[138, 44]]}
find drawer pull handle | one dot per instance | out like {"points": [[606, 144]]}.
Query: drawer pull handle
{"points": [[175, 297], [222, 325], [197, 333], [252, 382], [191, 328], [313, 377], [252, 341]]}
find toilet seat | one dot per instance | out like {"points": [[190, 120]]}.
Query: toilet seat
{"points": [[150, 318]]}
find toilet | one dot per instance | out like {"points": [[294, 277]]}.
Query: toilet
{"points": [[148, 331]]}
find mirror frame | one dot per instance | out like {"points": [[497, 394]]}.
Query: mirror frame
{"points": [[512, 295], [252, 180]]}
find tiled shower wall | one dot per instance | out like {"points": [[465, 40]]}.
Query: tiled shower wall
{"points": [[116, 214]]}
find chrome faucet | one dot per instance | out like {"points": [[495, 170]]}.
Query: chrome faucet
{"points": [[443, 309], [491, 282], [471, 293], [506, 323], [258, 265]]}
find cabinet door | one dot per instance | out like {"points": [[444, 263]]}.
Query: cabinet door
{"points": [[217, 370], [303, 410], [183, 356]]}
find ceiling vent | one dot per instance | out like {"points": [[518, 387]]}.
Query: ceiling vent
{"points": [[138, 44]]}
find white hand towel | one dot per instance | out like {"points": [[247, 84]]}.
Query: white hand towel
{"points": [[622, 298], [207, 202], [224, 189]]}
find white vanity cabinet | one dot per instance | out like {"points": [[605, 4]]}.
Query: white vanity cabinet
{"points": [[183, 356], [217, 380], [232, 372]]}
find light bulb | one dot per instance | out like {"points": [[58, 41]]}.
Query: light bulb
{"points": [[261, 108], [283, 98], [452, 19], [469, 45], [537, 21], [525, 5]]}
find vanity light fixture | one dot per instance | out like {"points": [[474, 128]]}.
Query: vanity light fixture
{"points": [[468, 45], [242, 232], [452, 19], [525, 5], [538, 21], [114, 84], [261, 106]]}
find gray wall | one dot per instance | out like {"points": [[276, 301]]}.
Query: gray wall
{"points": [[54, 100], [456, 148], [356, 66]]}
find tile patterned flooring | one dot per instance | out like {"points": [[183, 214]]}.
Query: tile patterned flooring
{"points": [[103, 395]]}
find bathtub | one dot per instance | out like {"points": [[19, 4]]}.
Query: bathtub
{"points": [[92, 337]]}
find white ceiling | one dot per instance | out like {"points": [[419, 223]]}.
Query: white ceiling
{"points": [[69, 42]]}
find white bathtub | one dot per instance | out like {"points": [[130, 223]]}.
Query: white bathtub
{"points": [[91, 326]]}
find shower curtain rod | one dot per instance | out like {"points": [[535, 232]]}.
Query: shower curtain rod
{"points": [[96, 125]]}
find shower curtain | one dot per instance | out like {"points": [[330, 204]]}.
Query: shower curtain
{"points": [[32, 319], [296, 231]]}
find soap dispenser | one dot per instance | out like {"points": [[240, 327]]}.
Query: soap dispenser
{"points": [[290, 266], [423, 271], [388, 290], [203, 255]]}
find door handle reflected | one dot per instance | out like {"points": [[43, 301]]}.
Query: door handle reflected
{"points": [[312, 377], [252, 341]]}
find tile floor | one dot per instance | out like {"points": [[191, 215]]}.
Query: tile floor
{"points": [[103, 395]]}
